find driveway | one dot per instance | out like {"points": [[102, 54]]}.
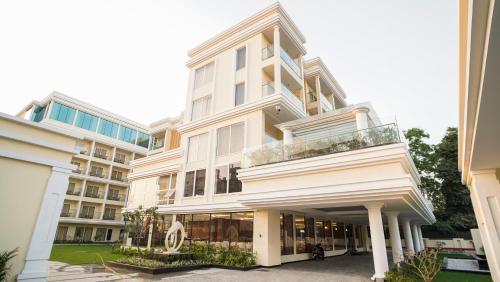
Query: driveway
{"points": [[340, 268]]}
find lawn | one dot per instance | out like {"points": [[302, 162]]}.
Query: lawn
{"points": [[456, 276], [82, 254]]}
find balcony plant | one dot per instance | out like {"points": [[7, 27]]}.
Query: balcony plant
{"points": [[5, 258]]}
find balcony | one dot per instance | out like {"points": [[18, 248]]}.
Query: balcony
{"points": [[89, 215], [267, 52], [95, 195], [118, 197], [118, 178], [304, 147], [325, 103], [268, 89], [68, 213], [121, 160], [73, 192], [97, 174], [78, 171], [110, 216], [101, 155], [157, 145], [311, 97], [290, 62]]}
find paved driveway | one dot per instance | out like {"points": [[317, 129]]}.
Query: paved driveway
{"points": [[340, 268]]}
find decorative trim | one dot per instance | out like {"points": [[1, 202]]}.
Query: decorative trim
{"points": [[316, 66], [161, 157], [155, 172], [36, 141]]}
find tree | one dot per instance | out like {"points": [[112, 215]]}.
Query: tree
{"points": [[139, 220], [459, 212], [425, 161]]}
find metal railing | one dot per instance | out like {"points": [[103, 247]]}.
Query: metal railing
{"points": [[68, 213], [118, 178], [290, 62], [121, 160], [110, 216], [78, 171], [325, 102], [119, 197], [98, 195], [97, 174], [89, 215], [267, 52], [304, 147], [101, 156], [73, 192]]}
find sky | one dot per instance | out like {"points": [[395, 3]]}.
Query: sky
{"points": [[129, 57]]}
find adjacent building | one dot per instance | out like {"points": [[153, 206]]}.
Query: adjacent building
{"points": [[479, 132], [269, 156]]}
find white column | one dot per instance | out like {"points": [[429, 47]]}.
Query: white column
{"points": [[397, 249], [287, 136], [150, 235], [35, 267], [318, 92], [408, 238], [485, 195], [366, 239], [416, 239], [378, 240], [266, 237], [277, 59], [422, 244], [361, 118]]}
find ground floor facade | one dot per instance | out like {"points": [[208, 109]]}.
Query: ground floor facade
{"points": [[68, 232]]}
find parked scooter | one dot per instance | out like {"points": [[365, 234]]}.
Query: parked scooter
{"points": [[318, 252]]}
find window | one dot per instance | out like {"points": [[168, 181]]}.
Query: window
{"points": [[92, 191], [286, 234], [194, 184], [201, 227], [62, 113], [127, 134], [96, 171], [143, 140], [86, 121], [320, 233], [83, 234], [62, 232], [226, 179], [198, 147], [203, 75], [230, 139], [201, 107], [108, 128], [109, 213], [241, 58], [166, 189], [300, 234], [117, 175], [100, 234], [310, 240], [87, 212], [113, 194], [328, 236], [239, 94], [38, 114], [339, 236], [101, 153]]}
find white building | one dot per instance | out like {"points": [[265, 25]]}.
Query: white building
{"points": [[271, 157]]}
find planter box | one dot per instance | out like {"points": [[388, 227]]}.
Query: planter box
{"points": [[244, 268], [155, 270]]}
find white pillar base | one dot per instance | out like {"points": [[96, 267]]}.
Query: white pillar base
{"points": [[397, 250], [379, 251], [408, 238]]}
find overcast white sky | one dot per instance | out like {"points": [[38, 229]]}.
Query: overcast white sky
{"points": [[129, 56]]}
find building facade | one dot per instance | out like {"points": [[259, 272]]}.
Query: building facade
{"points": [[98, 186], [479, 136], [270, 157]]}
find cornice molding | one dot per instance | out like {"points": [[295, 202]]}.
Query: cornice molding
{"points": [[155, 172], [161, 157]]}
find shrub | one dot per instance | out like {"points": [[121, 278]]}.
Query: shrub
{"points": [[398, 275], [139, 261], [425, 264], [5, 257]]}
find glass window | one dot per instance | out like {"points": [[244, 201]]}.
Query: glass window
{"points": [[201, 227], [230, 139], [62, 113], [219, 224], [201, 107], [199, 186], [287, 234], [198, 147], [226, 179], [241, 58], [339, 235], [86, 121], [241, 230], [189, 184], [143, 140], [127, 134], [300, 234], [310, 240], [203, 75], [320, 233], [38, 113], [234, 183], [108, 128], [239, 94], [328, 246]]}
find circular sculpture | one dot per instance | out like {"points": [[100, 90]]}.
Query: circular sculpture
{"points": [[172, 243]]}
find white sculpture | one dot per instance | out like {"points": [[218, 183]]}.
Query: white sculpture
{"points": [[172, 243]]}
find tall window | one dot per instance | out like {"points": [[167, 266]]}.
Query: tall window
{"points": [[239, 94], [86, 121], [328, 236], [241, 58], [166, 189], [201, 107], [143, 139], [310, 240], [320, 233], [198, 147], [38, 113], [108, 128], [194, 184], [203, 75], [230, 139], [286, 234], [127, 134], [62, 113], [300, 234], [226, 179]]}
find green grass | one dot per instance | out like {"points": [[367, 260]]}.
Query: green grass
{"points": [[82, 254], [455, 276]]}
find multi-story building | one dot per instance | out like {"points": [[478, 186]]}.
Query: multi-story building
{"points": [[478, 130], [98, 187], [272, 158]]}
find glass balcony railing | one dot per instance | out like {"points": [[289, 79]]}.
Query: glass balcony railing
{"points": [[268, 89], [325, 103], [289, 94], [290, 62], [267, 52], [303, 147]]}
